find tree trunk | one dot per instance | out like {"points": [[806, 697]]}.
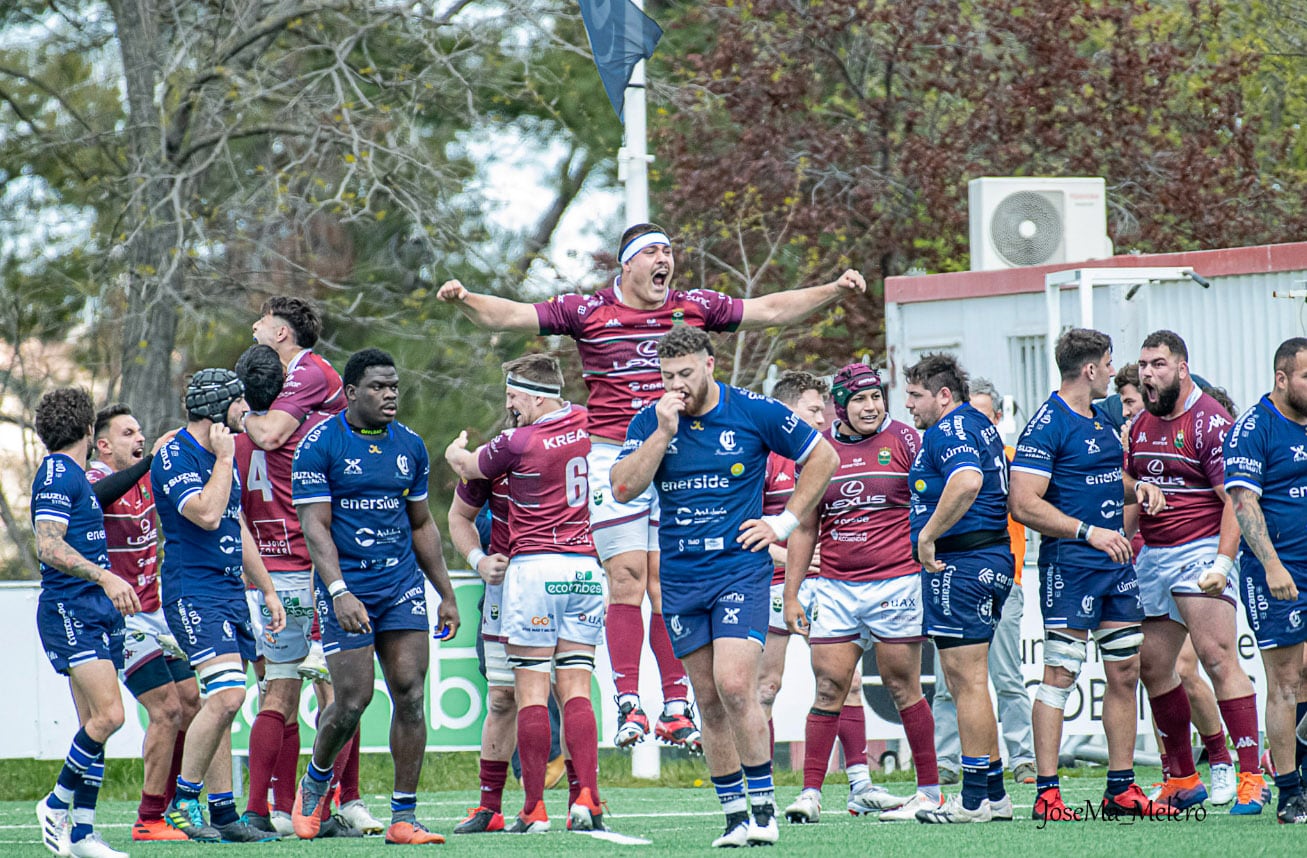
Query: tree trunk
{"points": [[150, 324]]}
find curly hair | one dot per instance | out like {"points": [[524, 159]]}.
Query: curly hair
{"points": [[300, 316], [64, 417]]}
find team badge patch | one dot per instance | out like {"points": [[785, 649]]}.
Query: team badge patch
{"points": [[1179, 439], [883, 455]]}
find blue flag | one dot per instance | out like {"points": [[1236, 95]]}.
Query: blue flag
{"points": [[620, 36]]}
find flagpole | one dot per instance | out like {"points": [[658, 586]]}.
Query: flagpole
{"points": [[633, 171]]}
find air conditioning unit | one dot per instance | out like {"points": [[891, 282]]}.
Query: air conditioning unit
{"points": [[1019, 222]]}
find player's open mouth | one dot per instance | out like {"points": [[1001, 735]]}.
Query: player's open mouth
{"points": [[660, 277], [1150, 393]]}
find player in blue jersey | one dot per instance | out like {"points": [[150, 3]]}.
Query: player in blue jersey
{"points": [[1265, 475], [210, 557], [1067, 485], [704, 447], [959, 534], [359, 483], [79, 616]]}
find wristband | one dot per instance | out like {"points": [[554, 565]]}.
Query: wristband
{"points": [[337, 588], [1082, 532], [474, 558], [782, 525], [1223, 564]]}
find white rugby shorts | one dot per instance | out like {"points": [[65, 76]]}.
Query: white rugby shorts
{"points": [[617, 528], [889, 610], [141, 642], [776, 614], [291, 644], [553, 597], [1171, 571]]}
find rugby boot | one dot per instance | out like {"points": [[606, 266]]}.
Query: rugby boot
{"points": [[1253, 795], [908, 811], [1294, 811], [155, 829], [1133, 802], [411, 834], [1049, 807], [337, 826], [242, 832], [187, 816], [1181, 793], [480, 820], [762, 830], [56, 830], [356, 814], [1001, 810], [93, 846], [953, 812], [310, 806], [586, 814], [805, 809], [535, 822], [737, 831], [1224, 784], [632, 725], [259, 822], [873, 798], [679, 731]]}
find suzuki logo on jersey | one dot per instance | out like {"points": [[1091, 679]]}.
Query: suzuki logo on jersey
{"points": [[353, 467], [727, 440], [401, 462], [1092, 444]]}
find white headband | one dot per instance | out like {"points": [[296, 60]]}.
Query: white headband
{"points": [[640, 242], [533, 388]]}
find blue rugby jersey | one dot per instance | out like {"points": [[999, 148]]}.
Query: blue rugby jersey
{"points": [[198, 564], [1266, 453], [711, 479], [963, 439], [369, 478], [62, 494], [1082, 459]]}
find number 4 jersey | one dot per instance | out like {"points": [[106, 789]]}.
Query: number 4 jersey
{"points": [[548, 485]]}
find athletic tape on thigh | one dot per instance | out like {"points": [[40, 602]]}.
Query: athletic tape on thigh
{"points": [[522, 662], [1119, 644], [574, 661], [281, 670], [220, 677], [1064, 651]]}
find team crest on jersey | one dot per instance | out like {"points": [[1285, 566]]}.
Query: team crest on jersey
{"points": [[737, 469], [1098, 425], [883, 455], [919, 485], [1179, 439], [597, 498], [678, 317], [727, 440], [353, 467], [401, 462]]}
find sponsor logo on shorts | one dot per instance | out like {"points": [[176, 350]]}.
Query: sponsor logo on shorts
{"points": [[732, 597], [906, 602], [1087, 606], [583, 588], [777, 604], [731, 616], [539, 621]]}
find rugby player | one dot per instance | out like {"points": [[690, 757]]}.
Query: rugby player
{"points": [[1067, 485], [1186, 567], [1265, 470], [868, 592], [1004, 650], [1202, 700], [499, 729], [959, 534], [162, 682], [266, 502], [704, 447], [360, 489], [805, 395], [553, 589], [617, 331], [209, 552], [79, 616]]}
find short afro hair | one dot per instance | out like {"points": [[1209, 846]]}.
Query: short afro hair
{"points": [[64, 417], [361, 361], [260, 371]]}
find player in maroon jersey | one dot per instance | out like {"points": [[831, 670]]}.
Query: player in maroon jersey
{"points": [[162, 682], [868, 591], [554, 590], [617, 331], [1186, 566]]}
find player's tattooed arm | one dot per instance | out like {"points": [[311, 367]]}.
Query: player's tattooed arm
{"points": [[53, 550], [1252, 523]]}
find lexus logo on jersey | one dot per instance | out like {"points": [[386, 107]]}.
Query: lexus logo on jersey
{"points": [[852, 488], [647, 348], [1156, 466]]}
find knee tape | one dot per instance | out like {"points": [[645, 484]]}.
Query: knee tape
{"points": [[522, 662], [281, 670], [220, 677], [1051, 695], [1064, 651], [1119, 644], [574, 661]]}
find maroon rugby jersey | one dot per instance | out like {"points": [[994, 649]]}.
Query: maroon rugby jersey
{"points": [[266, 499], [619, 345], [864, 512], [776, 491], [548, 485], [1184, 458], [132, 532], [475, 493], [312, 384]]}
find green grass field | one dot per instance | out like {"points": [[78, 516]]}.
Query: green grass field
{"points": [[685, 819]]}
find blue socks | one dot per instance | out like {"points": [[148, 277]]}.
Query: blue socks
{"points": [[81, 754], [975, 781], [730, 792], [1119, 780]]}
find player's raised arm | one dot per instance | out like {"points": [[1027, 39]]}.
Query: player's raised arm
{"points": [[490, 311], [784, 308]]}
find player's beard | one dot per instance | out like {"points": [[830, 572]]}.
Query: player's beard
{"points": [[695, 399], [1167, 397], [1296, 401]]}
